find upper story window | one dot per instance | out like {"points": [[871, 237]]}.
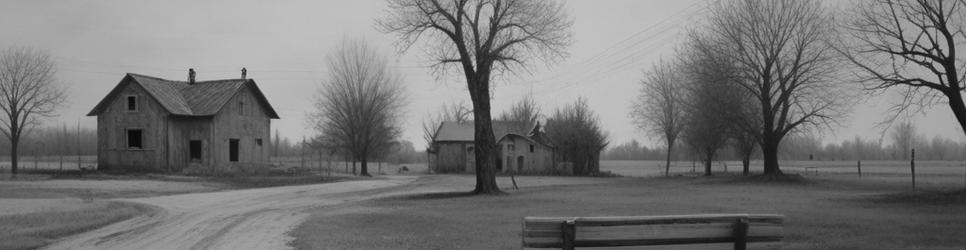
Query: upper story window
{"points": [[531, 148], [132, 103], [241, 108], [509, 147]]}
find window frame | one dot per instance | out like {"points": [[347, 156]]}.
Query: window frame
{"points": [[127, 103], [127, 139], [191, 152], [234, 152]]}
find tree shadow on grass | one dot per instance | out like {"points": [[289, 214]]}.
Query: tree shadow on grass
{"points": [[433, 196], [782, 179], [922, 197]]}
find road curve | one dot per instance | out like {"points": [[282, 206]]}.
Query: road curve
{"points": [[240, 219]]}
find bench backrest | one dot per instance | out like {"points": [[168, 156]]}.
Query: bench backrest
{"points": [[711, 230]]}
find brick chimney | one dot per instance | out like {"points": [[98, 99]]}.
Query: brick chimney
{"points": [[191, 76], [244, 72]]}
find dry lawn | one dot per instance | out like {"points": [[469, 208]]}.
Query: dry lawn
{"points": [[822, 212], [36, 229]]}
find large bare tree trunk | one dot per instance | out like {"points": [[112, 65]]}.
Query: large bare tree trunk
{"points": [[364, 169], [667, 162], [769, 151], [707, 164], [745, 163], [959, 109], [484, 141], [14, 161]]}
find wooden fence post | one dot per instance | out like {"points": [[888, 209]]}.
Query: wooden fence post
{"points": [[859, 165], [912, 165]]}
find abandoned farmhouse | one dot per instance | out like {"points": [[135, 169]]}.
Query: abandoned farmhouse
{"points": [[151, 124], [452, 150]]}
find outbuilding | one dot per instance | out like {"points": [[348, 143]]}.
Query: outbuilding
{"points": [[151, 124]]}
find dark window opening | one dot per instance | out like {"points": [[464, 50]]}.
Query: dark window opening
{"points": [[194, 148], [134, 139], [132, 103], [233, 150], [531, 148], [258, 142]]}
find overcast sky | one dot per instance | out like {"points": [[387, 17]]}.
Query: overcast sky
{"points": [[283, 44]]}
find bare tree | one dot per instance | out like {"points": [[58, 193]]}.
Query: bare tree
{"points": [[785, 61], [912, 46], [482, 38], [27, 93], [456, 112], [657, 109], [523, 115], [360, 102], [904, 138], [711, 99], [733, 110], [575, 129]]}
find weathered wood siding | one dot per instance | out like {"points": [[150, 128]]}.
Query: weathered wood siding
{"points": [[182, 130], [112, 126], [451, 157], [242, 118], [511, 148]]}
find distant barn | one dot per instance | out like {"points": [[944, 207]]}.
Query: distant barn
{"points": [[452, 150], [151, 124]]}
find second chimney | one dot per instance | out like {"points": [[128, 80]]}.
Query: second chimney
{"points": [[191, 76], [244, 72]]}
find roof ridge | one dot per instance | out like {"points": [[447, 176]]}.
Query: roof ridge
{"points": [[196, 82], [152, 77]]}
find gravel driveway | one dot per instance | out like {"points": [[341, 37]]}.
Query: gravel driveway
{"points": [[241, 219]]}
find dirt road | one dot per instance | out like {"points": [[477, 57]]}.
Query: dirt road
{"points": [[242, 219]]}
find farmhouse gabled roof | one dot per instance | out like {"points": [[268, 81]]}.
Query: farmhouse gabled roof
{"points": [[203, 98], [450, 131]]}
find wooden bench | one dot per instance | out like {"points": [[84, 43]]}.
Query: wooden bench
{"points": [[717, 231]]}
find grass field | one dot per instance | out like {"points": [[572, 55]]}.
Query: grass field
{"points": [[33, 230], [930, 174], [822, 213]]}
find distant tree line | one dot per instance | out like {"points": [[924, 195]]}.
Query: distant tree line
{"points": [[51, 141], [805, 147]]}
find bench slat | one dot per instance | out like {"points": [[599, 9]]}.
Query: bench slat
{"points": [[669, 231], [709, 246], [545, 232]]}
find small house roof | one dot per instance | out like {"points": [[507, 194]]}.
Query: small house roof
{"points": [[203, 98], [450, 131], [520, 136]]}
